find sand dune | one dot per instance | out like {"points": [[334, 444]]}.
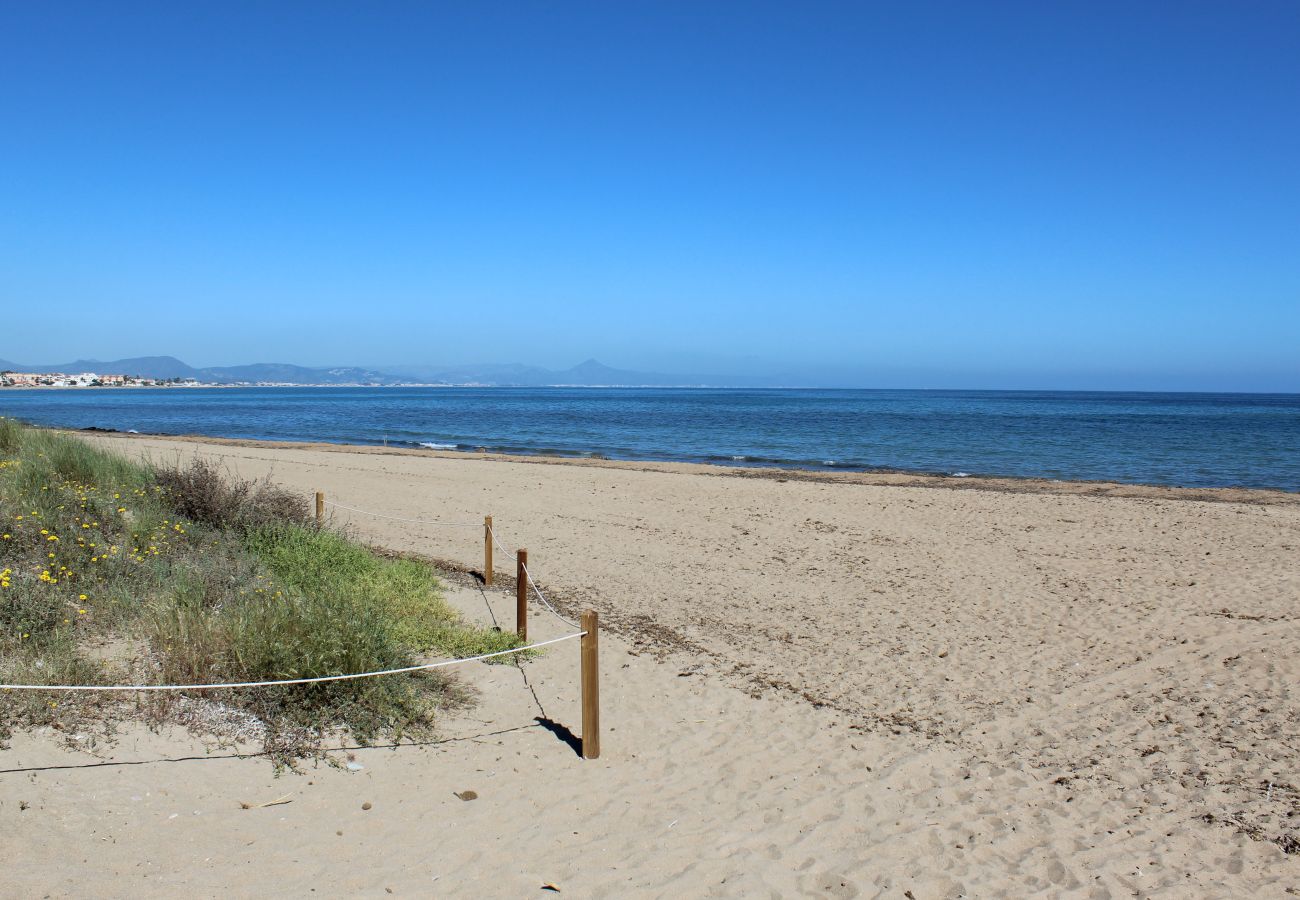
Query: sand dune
{"points": [[825, 686]]}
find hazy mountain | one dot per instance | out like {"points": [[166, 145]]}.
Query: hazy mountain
{"points": [[596, 373], [495, 374], [145, 366], [170, 367], [590, 373], [285, 373]]}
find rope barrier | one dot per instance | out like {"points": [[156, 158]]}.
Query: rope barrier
{"points": [[533, 584], [251, 684], [366, 512], [492, 531], [545, 602]]}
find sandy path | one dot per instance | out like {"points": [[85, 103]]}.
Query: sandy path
{"points": [[1017, 692]]}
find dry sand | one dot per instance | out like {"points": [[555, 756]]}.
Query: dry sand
{"points": [[813, 685]]}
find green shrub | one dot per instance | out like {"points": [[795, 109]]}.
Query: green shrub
{"points": [[204, 492], [408, 592], [213, 580], [26, 610], [11, 436]]}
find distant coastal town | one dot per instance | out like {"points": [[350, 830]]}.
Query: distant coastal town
{"points": [[88, 379]]}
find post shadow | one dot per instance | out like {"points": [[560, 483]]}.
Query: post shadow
{"points": [[562, 732]]}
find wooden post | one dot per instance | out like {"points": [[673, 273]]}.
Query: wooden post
{"points": [[320, 508], [487, 550], [521, 596], [590, 685]]}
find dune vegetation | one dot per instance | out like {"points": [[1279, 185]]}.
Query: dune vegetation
{"points": [[118, 572]]}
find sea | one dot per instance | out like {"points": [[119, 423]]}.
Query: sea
{"points": [[1183, 439]]}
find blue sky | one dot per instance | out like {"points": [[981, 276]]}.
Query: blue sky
{"points": [[895, 194]]}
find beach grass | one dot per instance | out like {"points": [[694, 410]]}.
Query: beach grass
{"points": [[117, 572]]}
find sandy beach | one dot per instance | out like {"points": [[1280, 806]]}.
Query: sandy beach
{"points": [[813, 684]]}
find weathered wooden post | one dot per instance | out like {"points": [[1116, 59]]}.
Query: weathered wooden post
{"points": [[487, 550], [320, 508], [521, 595], [590, 685]]}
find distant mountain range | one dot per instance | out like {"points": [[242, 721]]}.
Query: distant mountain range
{"points": [[587, 374]]}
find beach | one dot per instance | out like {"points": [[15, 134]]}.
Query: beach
{"points": [[825, 684]]}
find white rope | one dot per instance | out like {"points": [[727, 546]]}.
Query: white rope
{"points": [[542, 597], [366, 512], [250, 684], [492, 531], [529, 575]]}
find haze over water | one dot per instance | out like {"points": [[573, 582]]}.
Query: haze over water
{"points": [[1195, 440]]}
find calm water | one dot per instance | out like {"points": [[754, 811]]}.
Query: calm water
{"points": [[1175, 439]]}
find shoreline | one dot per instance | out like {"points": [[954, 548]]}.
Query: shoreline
{"points": [[1001, 484]]}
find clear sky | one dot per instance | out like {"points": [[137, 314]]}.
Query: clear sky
{"points": [[959, 194]]}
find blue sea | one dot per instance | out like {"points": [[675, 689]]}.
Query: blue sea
{"points": [[1202, 440]]}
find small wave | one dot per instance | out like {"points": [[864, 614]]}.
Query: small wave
{"points": [[433, 445], [959, 475]]}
